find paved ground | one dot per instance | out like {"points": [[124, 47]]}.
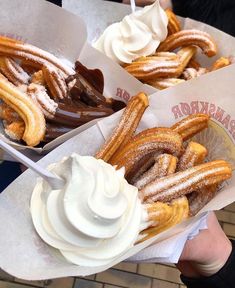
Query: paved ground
{"points": [[125, 275]]}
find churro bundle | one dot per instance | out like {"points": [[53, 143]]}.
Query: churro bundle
{"points": [[174, 60], [42, 98], [167, 167]]}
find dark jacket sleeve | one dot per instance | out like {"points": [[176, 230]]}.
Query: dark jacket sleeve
{"points": [[57, 2], [224, 278], [217, 13]]}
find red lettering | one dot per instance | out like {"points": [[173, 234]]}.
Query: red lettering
{"points": [[176, 111], [232, 127], [194, 107], [212, 110], [219, 114], [126, 96], [226, 120], [185, 108], [204, 108], [123, 94], [119, 92]]}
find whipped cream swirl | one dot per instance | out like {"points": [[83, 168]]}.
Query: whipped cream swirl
{"points": [[138, 34], [95, 218]]}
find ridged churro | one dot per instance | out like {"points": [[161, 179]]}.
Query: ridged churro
{"points": [[187, 38], [31, 114], [31, 54], [163, 83], [165, 164], [198, 199], [13, 71], [187, 181], [179, 210], [126, 127], [55, 82], [173, 23], [191, 125], [144, 143], [147, 68], [220, 63], [193, 155]]}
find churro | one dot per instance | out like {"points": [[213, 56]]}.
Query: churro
{"points": [[165, 164], [55, 82], [13, 71], [191, 125], [179, 210], [198, 199], [194, 154], [173, 23], [15, 129], [126, 127], [144, 143], [187, 38], [187, 181], [27, 109], [163, 83], [220, 63], [33, 55], [151, 67], [191, 73]]}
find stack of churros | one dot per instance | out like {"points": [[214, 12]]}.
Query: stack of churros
{"points": [[169, 169], [42, 98], [174, 61]]}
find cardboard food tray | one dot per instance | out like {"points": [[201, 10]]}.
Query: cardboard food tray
{"points": [[25, 255], [66, 38]]}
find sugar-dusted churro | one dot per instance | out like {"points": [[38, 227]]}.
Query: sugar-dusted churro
{"points": [[198, 199], [15, 129], [31, 114], [187, 181], [163, 83], [194, 64], [187, 38], [144, 143], [126, 127], [55, 81], [31, 54], [191, 73], [179, 210], [8, 114], [193, 155], [185, 55], [165, 164], [220, 63], [13, 71], [191, 125], [173, 23], [147, 68]]}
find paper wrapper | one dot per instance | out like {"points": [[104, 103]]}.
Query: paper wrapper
{"points": [[65, 37], [25, 255]]}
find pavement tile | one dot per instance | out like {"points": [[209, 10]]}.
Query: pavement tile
{"points": [[4, 284], [160, 272], [129, 267], [163, 284], [124, 279], [83, 283]]}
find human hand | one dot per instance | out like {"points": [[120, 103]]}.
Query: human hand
{"points": [[207, 252]]}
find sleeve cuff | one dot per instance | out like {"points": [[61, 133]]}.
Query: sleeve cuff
{"points": [[225, 277]]}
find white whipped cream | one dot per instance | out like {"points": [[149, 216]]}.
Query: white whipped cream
{"points": [[95, 218], [138, 34]]}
